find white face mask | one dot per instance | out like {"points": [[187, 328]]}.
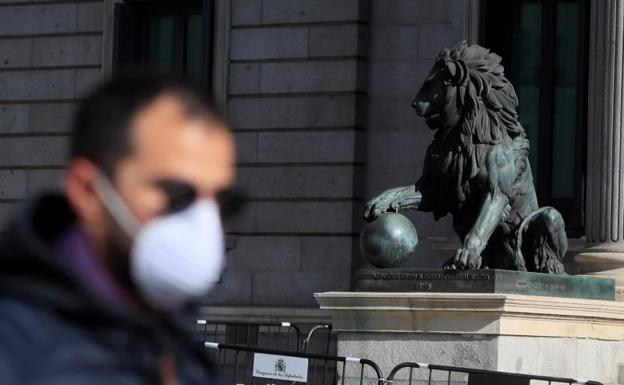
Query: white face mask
{"points": [[175, 258]]}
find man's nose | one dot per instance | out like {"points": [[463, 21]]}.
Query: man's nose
{"points": [[421, 107]]}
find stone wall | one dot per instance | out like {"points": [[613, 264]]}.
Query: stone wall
{"points": [[50, 53], [297, 78], [320, 94], [406, 36], [322, 122]]}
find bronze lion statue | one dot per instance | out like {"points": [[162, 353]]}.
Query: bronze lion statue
{"points": [[477, 169]]}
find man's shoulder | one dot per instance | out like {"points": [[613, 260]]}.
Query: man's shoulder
{"points": [[27, 333], [37, 343], [25, 325]]}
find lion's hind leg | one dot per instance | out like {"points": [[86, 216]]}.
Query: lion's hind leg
{"points": [[544, 242]]}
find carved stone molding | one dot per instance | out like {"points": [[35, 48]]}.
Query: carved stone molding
{"points": [[505, 332], [491, 314]]}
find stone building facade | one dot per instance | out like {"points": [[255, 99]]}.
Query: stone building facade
{"points": [[319, 93]]}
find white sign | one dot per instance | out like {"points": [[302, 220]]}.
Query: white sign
{"points": [[280, 367]]}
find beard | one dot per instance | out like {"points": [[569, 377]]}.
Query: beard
{"points": [[116, 249]]}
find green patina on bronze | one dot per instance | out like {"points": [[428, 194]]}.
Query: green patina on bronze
{"points": [[484, 281], [477, 169], [389, 241]]}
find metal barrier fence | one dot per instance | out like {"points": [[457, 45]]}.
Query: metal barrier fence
{"points": [[287, 336], [286, 353], [244, 365], [441, 374]]}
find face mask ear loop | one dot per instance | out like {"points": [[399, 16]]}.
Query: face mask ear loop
{"points": [[115, 206]]}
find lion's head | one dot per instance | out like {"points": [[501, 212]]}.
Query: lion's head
{"points": [[467, 88]]}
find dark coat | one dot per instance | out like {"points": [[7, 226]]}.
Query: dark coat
{"points": [[55, 330]]}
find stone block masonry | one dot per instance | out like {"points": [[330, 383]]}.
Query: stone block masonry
{"points": [[307, 128], [405, 38], [297, 81], [50, 55]]}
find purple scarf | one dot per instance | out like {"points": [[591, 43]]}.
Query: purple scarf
{"points": [[74, 249]]}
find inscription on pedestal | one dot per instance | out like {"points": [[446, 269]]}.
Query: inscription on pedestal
{"points": [[485, 281]]}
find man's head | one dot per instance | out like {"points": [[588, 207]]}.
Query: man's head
{"points": [[158, 141]]}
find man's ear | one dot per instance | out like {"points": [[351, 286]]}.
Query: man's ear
{"points": [[79, 188]]}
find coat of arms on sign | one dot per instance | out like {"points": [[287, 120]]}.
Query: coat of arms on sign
{"points": [[280, 365]]}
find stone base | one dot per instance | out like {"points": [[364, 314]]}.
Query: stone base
{"points": [[549, 336], [604, 261]]}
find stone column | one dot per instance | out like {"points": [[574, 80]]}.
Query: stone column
{"points": [[604, 220]]}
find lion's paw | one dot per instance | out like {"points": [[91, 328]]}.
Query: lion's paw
{"points": [[464, 259]]}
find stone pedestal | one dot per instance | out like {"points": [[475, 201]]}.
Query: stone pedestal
{"points": [[604, 261], [563, 337]]}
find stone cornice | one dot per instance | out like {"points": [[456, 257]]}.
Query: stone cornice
{"points": [[497, 314]]}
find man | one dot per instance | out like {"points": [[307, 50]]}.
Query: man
{"points": [[93, 280]]}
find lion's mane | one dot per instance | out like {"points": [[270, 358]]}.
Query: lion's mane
{"points": [[487, 104]]}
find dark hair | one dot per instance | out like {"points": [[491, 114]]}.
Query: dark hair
{"points": [[101, 129]]}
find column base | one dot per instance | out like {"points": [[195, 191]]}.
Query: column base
{"points": [[605, 261]]}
